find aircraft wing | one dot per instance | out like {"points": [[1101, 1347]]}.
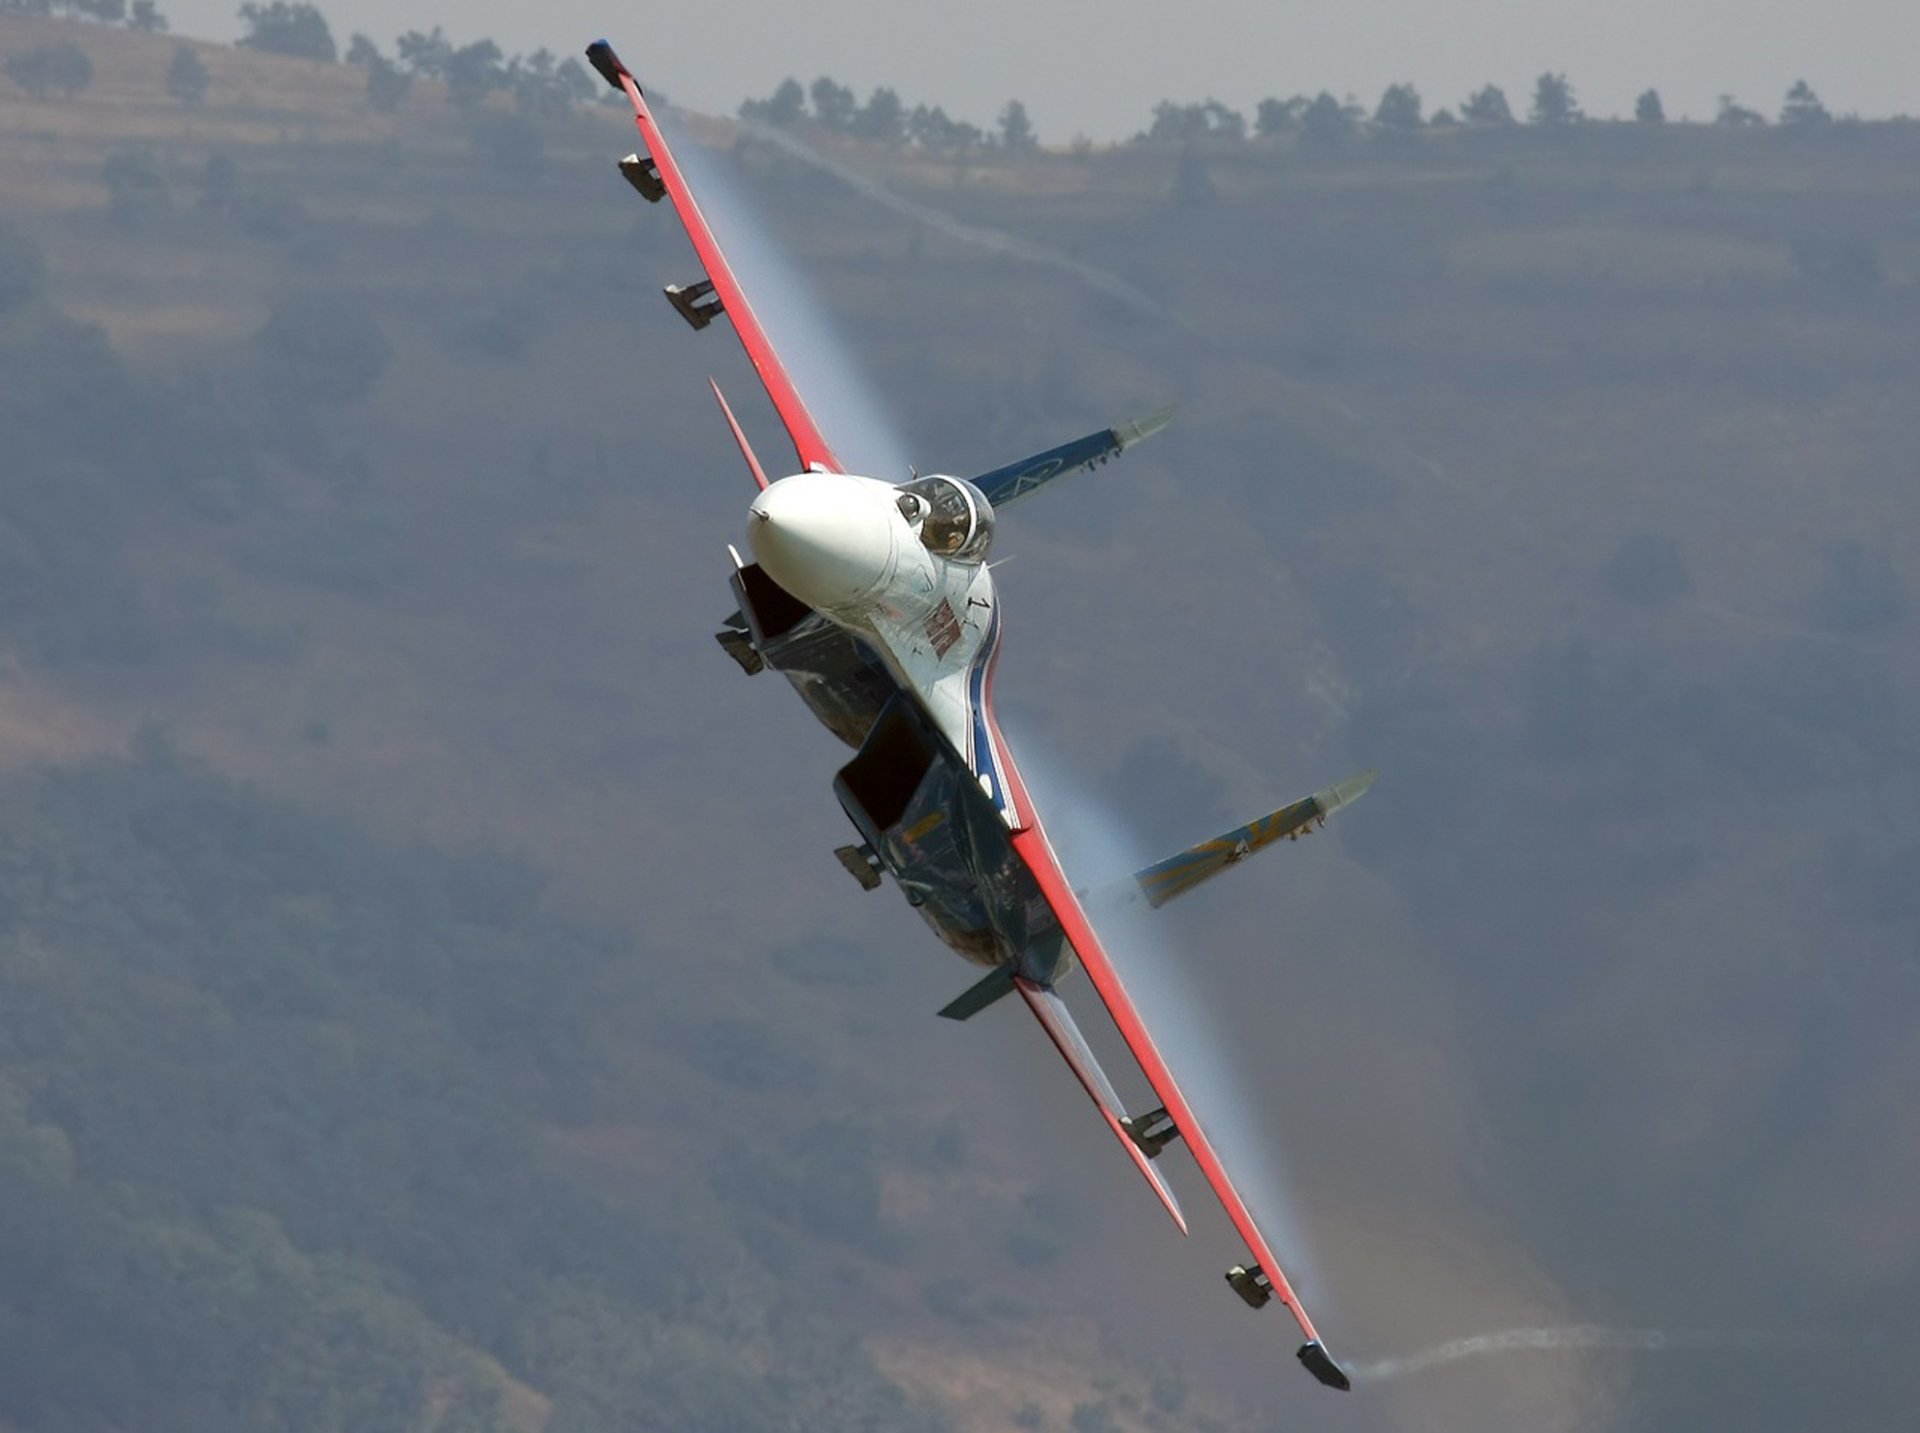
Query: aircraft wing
{"points": [[1177, 875], [1016, 480], [1264, 1278], [656, 175]]}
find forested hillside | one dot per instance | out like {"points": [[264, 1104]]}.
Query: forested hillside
{"points": [[427, 996]]}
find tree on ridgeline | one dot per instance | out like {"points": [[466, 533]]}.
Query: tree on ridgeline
{"points": [[542, 84], [1399, 109], [474, 72], [833, 104], [1803, 108], [110, 12], [1553, 102], [187, 77], [788, 103], [1735, 115], [1275, 117], [928, 127], [1328, 124], [62, 67], [1225, 123], [1190, 123], [785, 107], [1487, 106], [387, 85], [938, 133], [1648, 109], [545, 86], [883, 118], [147, 19], [284, 29], [1177, 123], [429, 56], [1016, 129]]}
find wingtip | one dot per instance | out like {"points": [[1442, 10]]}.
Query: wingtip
{"points": [[1145, 426], [1321, 1365], [1345, 793], [601, 56]]}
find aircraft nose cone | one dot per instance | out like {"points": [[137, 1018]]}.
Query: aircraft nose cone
{"points": [[827, 539]]}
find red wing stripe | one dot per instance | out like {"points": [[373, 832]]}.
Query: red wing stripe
{"points": [[1035, 850], [1068, 1041], [808, 441]]}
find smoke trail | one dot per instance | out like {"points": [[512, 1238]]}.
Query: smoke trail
{"points": [[810, 343], [999, 241], [995, 240], [1573, 1336], [1098, 850]]}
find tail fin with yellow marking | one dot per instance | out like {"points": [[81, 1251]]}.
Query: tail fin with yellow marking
{"points": [[1179, 874]]}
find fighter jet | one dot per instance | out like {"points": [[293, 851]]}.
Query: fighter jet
{"points": [[875, 600]]}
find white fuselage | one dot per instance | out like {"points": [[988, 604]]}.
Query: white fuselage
{"points": [[842, 545]]}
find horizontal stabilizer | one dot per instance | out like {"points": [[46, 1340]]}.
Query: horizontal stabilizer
{"points": [[1179, 874], [1058, 1020], [980, 995], [1016, 480]]}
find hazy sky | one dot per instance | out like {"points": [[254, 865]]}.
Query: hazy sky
{"points": [[1099, 69]]}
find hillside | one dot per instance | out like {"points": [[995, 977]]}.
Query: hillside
{"points": [[427, 997]]}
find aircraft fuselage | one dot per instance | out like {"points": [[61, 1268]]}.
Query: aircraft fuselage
{"points": [[894, 653]]}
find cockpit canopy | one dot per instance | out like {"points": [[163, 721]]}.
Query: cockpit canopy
{"points": [[952, 517]]}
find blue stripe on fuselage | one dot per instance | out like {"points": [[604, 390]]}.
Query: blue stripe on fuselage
{"points": [[985, 761]]}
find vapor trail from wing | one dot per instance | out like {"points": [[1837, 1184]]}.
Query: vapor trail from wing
{"points": [[835, 387], [997, 241], [1100, 853], [1573, 1336]]}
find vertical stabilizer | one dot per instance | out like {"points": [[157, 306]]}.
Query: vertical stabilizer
{"points": [[739, 437]]}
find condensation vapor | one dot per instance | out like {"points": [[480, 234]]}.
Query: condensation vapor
{"points": [[1100, 851], [1573, 1336], [997, 241], [824, 365], [1100, 854]]}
